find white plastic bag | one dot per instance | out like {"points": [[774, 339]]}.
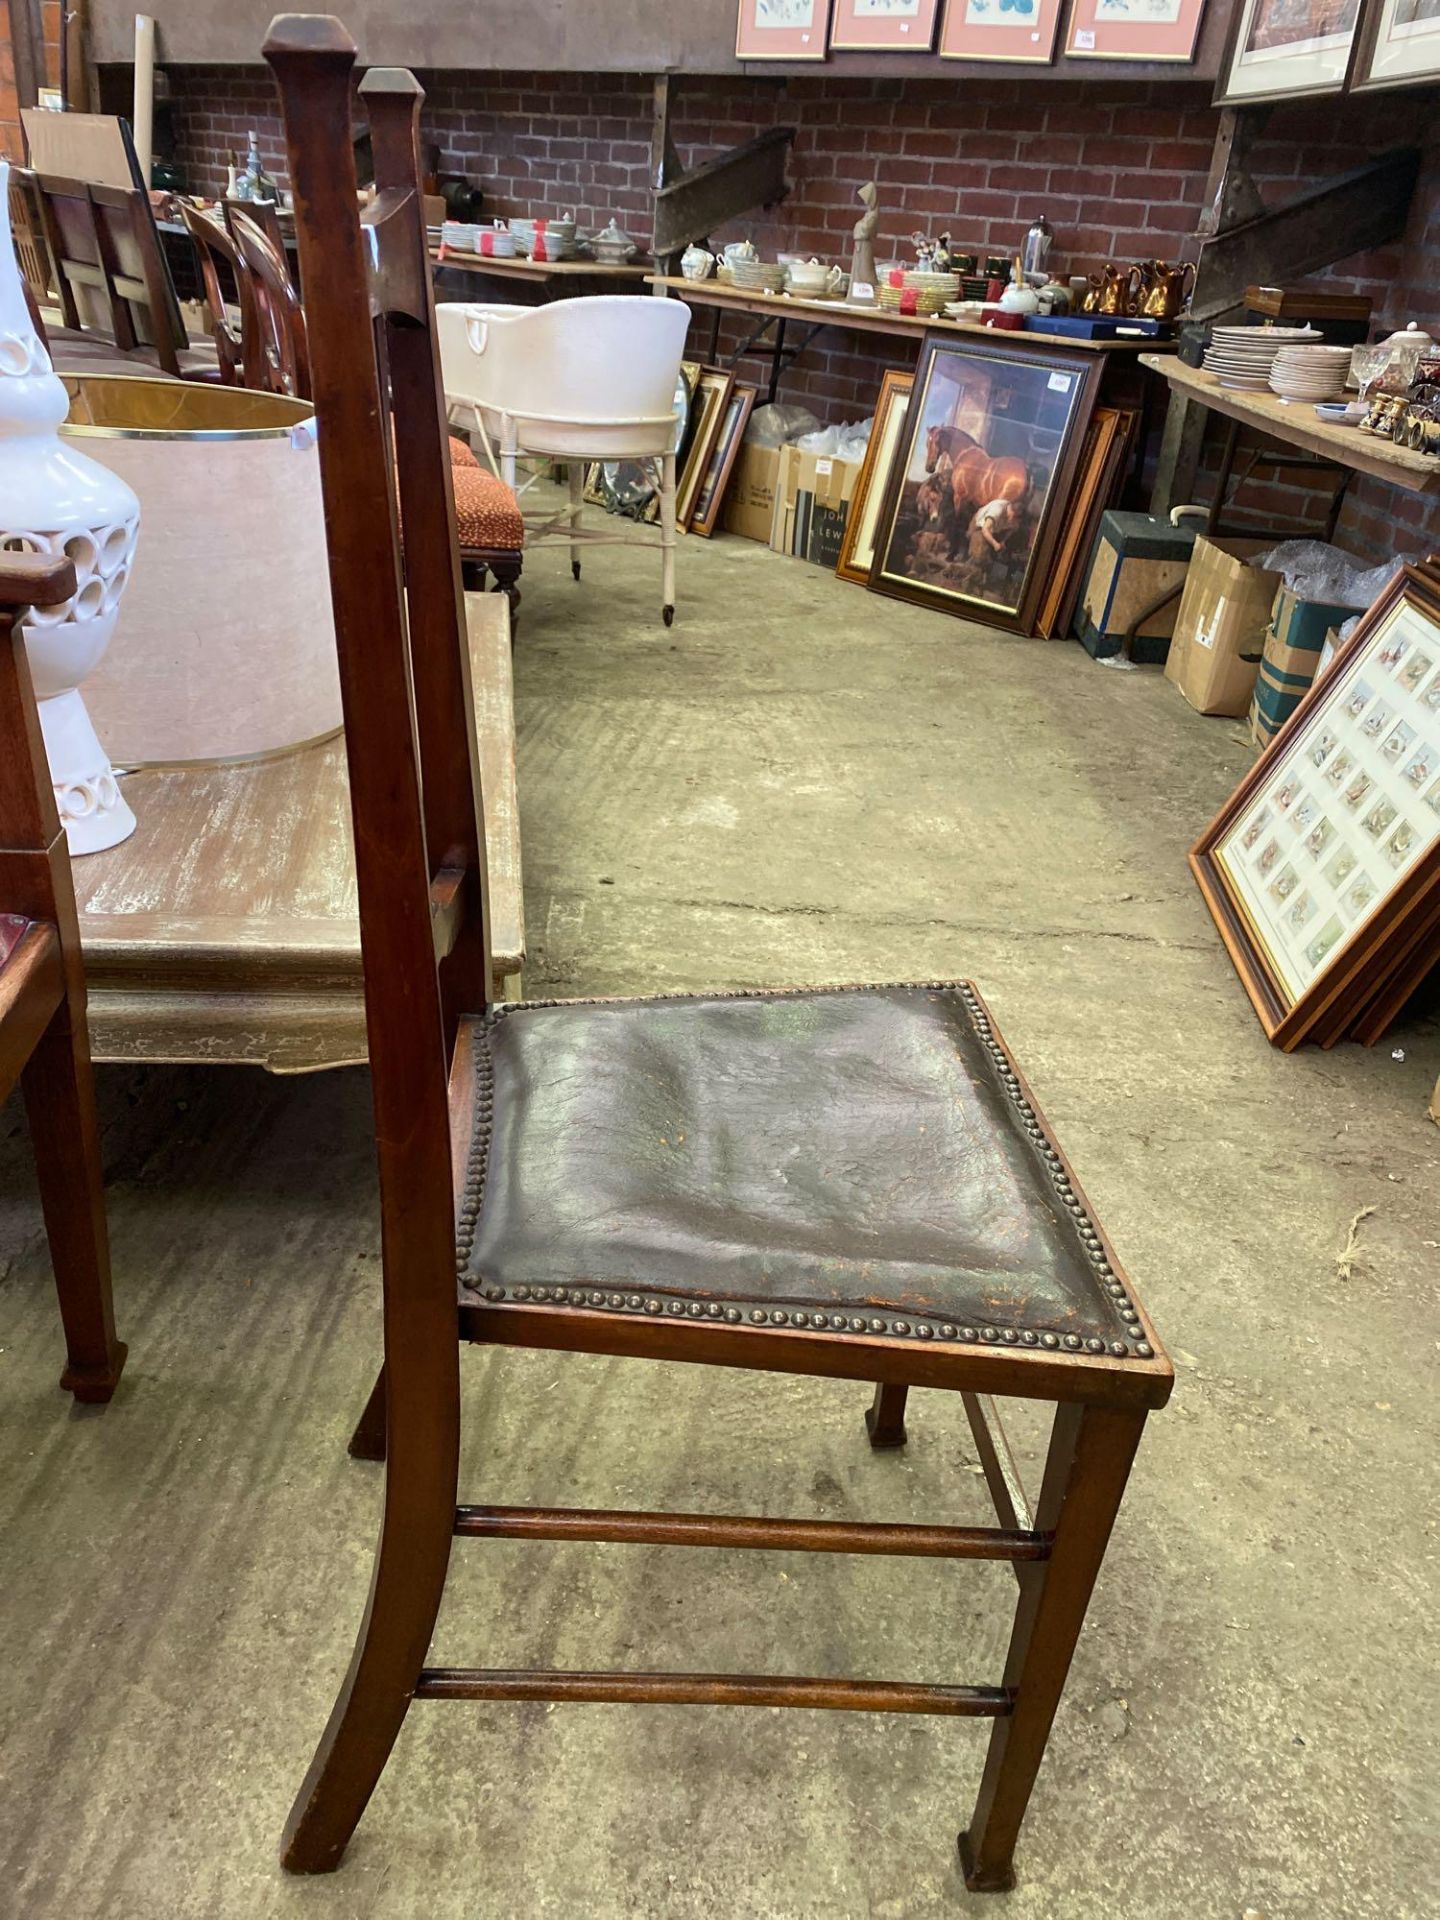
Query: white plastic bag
{"points": [[774, 425]]}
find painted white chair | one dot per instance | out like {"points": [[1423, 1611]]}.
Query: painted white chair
{"points": [[578, 380]]}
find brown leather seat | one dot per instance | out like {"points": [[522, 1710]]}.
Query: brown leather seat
{"points": [[862, 1162]]}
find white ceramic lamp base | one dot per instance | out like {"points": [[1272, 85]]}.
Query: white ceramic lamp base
{"points": [[92, 808]]}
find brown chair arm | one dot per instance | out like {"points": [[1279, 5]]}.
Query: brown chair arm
{"points": [[34, 580]]}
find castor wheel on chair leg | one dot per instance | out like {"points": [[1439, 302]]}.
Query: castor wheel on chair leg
{"points": [[667, 614], [575, 568]]}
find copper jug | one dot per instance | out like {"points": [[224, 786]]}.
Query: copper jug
{"points": [[1165, 290], [1116, 291]]}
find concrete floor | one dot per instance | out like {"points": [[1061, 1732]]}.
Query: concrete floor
{"points": [[800, 783]]}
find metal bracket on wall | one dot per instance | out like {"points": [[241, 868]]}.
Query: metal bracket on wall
{"points": [[690, 204]]}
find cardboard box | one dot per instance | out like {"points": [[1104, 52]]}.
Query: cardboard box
{"points": [[749, 507], [1220, 628], [812, 504], [1294, 642], [1137, 561]]}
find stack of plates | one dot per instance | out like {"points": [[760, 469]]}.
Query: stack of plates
{"points": [[556, 243], [1241, 357], [1310, 373], [758, 276], [932, 292]]}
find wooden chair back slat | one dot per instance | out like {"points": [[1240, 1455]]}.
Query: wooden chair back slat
{"points": [[104, 240], [215, 251], [284, 343], [440, 657], [312, 60]]}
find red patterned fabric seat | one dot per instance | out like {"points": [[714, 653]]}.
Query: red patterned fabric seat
{"points": [[11, 928], [487, 513]]}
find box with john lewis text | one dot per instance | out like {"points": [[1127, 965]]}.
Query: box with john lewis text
{"points": [[813, 492]]}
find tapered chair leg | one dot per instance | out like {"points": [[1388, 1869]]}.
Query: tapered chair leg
{"points": [[60, 1101], [885, 1417], [367, 1442], [421, 1470], [1088, 1464], [668, 537], [577, 505]]}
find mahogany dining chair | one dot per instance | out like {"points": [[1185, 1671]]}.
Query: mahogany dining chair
{"points": [[854, 1183], [43, 1040]]}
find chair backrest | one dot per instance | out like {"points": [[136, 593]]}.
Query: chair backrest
{"points": [[260, 213], [284, 345], [29, 823], [105, 245], [605, 362], [400, 632], [219, 258]]}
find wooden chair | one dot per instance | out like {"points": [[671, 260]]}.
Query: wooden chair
{"points": [[283, 358], [109, 268], [261, 214], [238, 352], [43, 1042], [851, 1183]]}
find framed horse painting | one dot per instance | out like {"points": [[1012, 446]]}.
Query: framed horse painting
{"points": [[977, 497]]}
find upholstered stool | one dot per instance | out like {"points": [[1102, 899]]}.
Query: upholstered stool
{"points": [[488, 523]]}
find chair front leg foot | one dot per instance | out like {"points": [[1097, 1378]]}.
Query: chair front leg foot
{"points": [[885, 1418], [992, 1877]]}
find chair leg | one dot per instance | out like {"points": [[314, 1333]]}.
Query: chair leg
{"points": [[885, 1417], [668, 536], [60, 1100], [421, 1469], [367, 1442], [577, 504], [1088, 1464]]}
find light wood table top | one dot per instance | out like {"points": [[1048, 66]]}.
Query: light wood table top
{"points": [[874, 319], [538, 270], [225, 929], [1298, 424]]}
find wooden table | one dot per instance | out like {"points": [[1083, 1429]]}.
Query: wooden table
{"points": [[225, 929], [1297, 425], [551, 278], [778, 309]]}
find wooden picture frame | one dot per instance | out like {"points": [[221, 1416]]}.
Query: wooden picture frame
{"points": [[1102, 461], [1167, 30], [783, 30], [1331, 843], [1396, 47], [975, 501], [884, 26], [1270, 55], [857, 550], [721, 464], [995, 30], [712, 397]]}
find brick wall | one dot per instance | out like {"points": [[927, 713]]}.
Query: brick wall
{"points": [[1119, 168]]}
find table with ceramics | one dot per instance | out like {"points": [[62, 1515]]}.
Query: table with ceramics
{"points": [[1296, 423]]}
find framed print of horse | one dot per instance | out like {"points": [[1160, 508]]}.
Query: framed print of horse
{"points": [[977, 497]]}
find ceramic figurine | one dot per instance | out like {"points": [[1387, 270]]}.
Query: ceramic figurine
{"points": [[862, 263], [55, 500]]}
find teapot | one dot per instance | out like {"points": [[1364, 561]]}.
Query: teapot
{"points": [[696, 263], [1164, 291]]}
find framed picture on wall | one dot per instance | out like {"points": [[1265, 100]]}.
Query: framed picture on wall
{"points": [[1000, 30], [986, 463], [1134, 29], [1330, 846], [884, 26], [857, 550], [1287, 49], [1399, 44], [782, 30]]}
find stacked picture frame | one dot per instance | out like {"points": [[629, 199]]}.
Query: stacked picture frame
{"points": [[1322, 870]]}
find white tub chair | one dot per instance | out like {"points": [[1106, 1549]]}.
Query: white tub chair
{"points": [[578, 380]]}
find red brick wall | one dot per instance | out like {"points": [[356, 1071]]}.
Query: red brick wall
{"points": [[1119, 168]]}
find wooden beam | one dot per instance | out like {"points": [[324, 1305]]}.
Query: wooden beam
{"points": [[691, 207], [1231, 196], [27, 46], [1351, 213]]}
